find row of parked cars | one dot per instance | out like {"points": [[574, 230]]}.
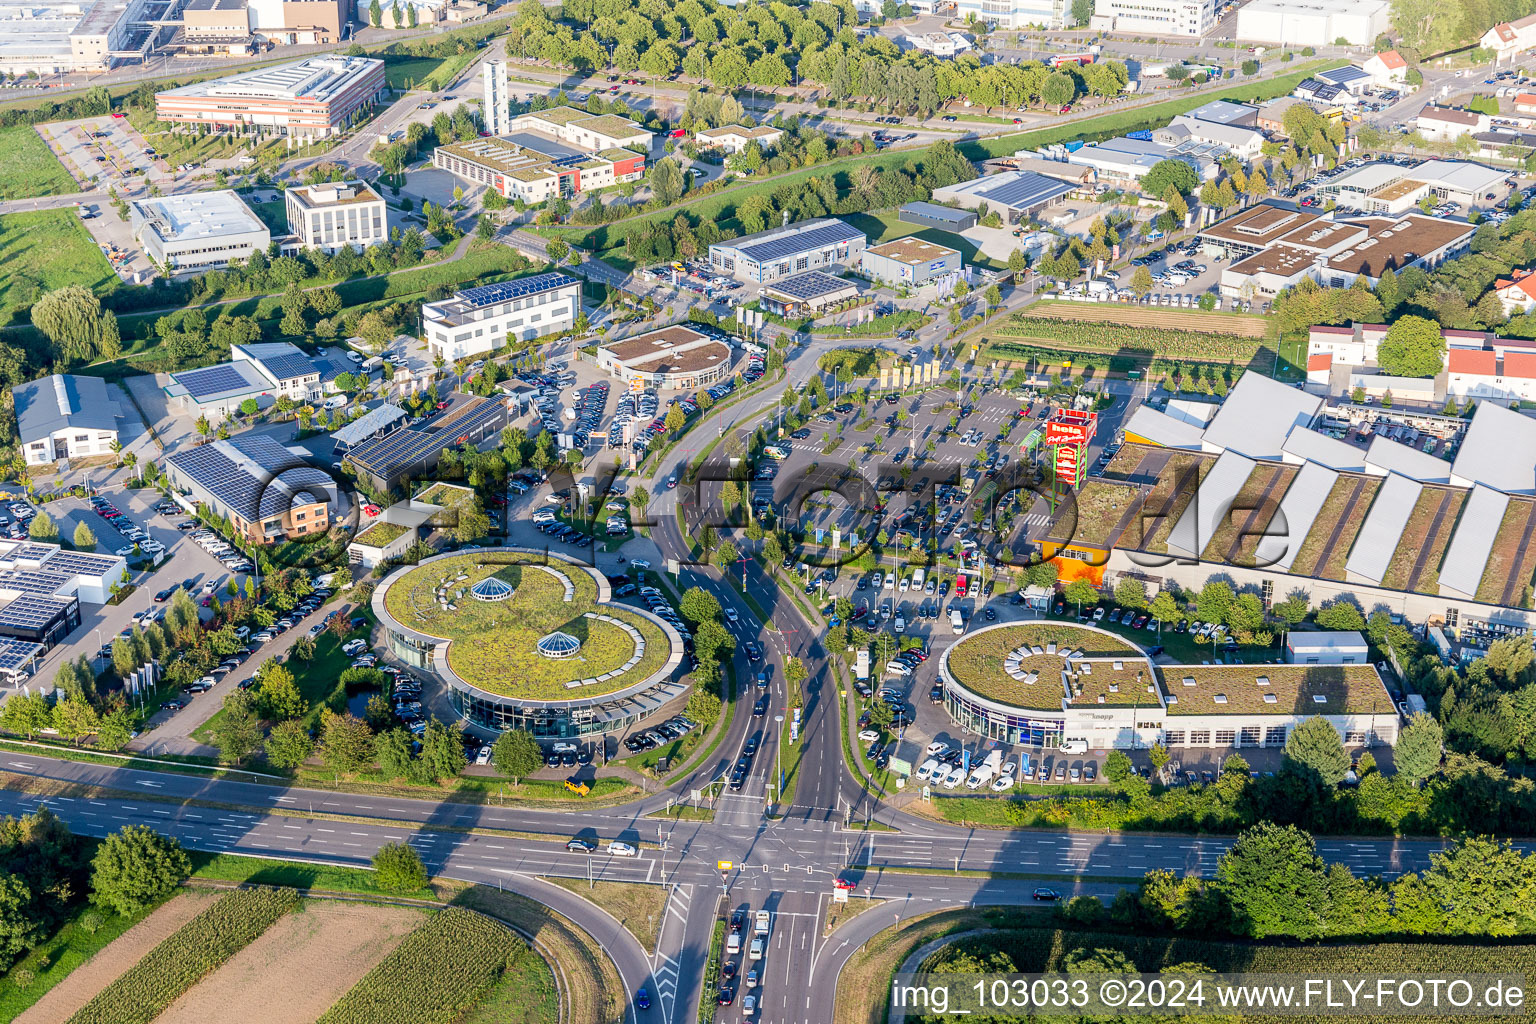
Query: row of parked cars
{"points": [[127, 528], [221, 549], [672, 729], [635, 407]]}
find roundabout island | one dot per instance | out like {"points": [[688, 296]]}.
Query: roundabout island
{"points": [[528, 640]]}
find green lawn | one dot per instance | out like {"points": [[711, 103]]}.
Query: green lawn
{"points": [[274, 215], [887, 226], [44, 250], [31, 169], [224, 867], [404, 72], [65, 949]]}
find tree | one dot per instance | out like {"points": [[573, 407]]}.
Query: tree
{"points": [[75, 718], [1274, 883], [1141, 281], [237, 733], [1419, 748], [1412, 347], [699, 606], [115, 730], [399, 868], [1081, 592], [517, 754], [666, 182], [1082, 11], [85, 540], [375, 14], [1292, 610], [43, 528], [1250, 67], [1165, 173], [1131, 593], [288, 744], [1165, 608], [277, 693], [442, 750], [73, 320], [303, 648], [1117, 766], [136, 867], [556, 250], [347, 744], [1159, 756], [1212, 602], [1340, 615], [1315, 749]]}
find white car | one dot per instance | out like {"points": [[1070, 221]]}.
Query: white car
{"points": [[890, 582], [906, 584], [927, 768], [732, 616], [954, 778], [618, 849], [639, 563], [936, 748], [123, 552], [209, 586], [869, 735], [1003, 782]]}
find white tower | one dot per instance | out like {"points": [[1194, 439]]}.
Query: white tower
{"points": [[498, 104]]}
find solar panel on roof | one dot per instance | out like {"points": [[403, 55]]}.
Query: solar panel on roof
{"points": [[212, 380], [1025, 190], [385, 456], [15, 654], [288, 365], [31, 611], [488, 294], [797, 242], [809, 286]]}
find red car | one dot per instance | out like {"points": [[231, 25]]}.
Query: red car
{"points": [[844, 884], [613, 88], [676, 133], [370, 510], [119, 115], [441, 406]]}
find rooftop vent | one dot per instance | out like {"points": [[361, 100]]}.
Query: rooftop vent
{"points": [[1220, 698], [1270, 698]]}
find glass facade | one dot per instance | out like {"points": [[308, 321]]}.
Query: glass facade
{"points": [[487, 711], [417, 654], [996, 724]]}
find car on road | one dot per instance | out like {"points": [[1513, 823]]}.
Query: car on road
{"points": [[618, 849], [749, 1006], [1043, 894], [580, 846], [643, 1000]]}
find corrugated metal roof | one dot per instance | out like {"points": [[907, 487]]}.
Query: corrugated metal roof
{"points": [[1298, 510], [1499, 451], [1391, 457], [1467, 556], [1383, 528], [1160, 428], [1310, 446], [1208, 510]]}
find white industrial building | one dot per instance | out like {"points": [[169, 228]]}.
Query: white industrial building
{"points": [[1127, 161], [1155, 17], [54, 37], [335, 214], [64, 417], [479, 320], [197, 231], [496, 108], [940, 44], [1313, 22], [1326, 648], [787, 251], [1015, 14], [1393, 189]]}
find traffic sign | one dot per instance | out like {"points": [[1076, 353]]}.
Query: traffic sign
{"points": [[724, 865]]}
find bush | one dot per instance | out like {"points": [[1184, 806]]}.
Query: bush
{"points": [[200, 947], [136, 867], [399, 868]]}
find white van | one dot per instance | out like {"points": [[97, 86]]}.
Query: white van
{"points": [[1076, 746], [917, 579], [733, 944]]}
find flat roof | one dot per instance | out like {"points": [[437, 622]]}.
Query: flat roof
{"points": [[1284, 260], [1325, 640], [320, 78], [1259, 415], [1016, 189], [1394, 244], [811, 285], [329, 194], [611, 125], [1296, 690], [1298, 511], [675, 349], [1206, 513], [912, 251], [761, 131], [218, 383], [934, 211], [194, 215]]}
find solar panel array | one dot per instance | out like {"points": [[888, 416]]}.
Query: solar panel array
{"points": [[32, 581], [32, 611], [810, 286], [490, 294], [15, 654], [30, 552], [387, 456], [80, 563], [235, 487], [212, 380], [1026, 190], [795, 242], [288, 365]]}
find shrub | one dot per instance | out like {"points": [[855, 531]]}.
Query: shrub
{"points": [[399, 867]]}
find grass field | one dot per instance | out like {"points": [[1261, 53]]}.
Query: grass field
{"points": [[407, 72], [274, 215], [44, 250], [638, 907], [864, 986], [66, 949], [31, 169], [1194, 320], [887, 227]]}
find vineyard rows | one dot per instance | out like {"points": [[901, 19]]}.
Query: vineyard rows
{"points": [[1158, 342], [1148, 316], [438, 972], [180, 961]]}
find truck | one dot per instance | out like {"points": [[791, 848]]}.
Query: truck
{"points": [[760, 922], [985, 772], [957, 620]]}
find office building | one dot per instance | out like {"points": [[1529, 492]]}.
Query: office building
{"points": [[263, 371], [781, 252], [1126, 161], [57, 37], [479, 320], [196, 231], [807, 293], [533, 167], [933, 215], [300, 22], [672, 358], [910, 262], [267, 492], [1313, 22], [315, 96], [213, 27], [64, 417], [733, 138], [336, 214], [591, 132], [1155, 17], [940, 44], [1326, 648], [496, 108], [1016, 14]]}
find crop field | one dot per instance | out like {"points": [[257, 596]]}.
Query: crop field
{"points": [[437, 973], [1197, 321], [43, 250], [318, 953], [197, 949], [1509, 569], [493, 644], [1415, 564], [1251, 511], [31, 169], [1148, 342]]}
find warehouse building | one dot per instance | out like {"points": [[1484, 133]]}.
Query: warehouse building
{"points": [[57, 37], [315, 96], [268, 493], [335, 215], [1313, 22], [63, 416], [777, 253], [910, 262], [412, 453], [673, 358], [197, 231], [1014, 195], [533, 167], [478, 320], [1394, 189], [1192, 18], [932, 215]]}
